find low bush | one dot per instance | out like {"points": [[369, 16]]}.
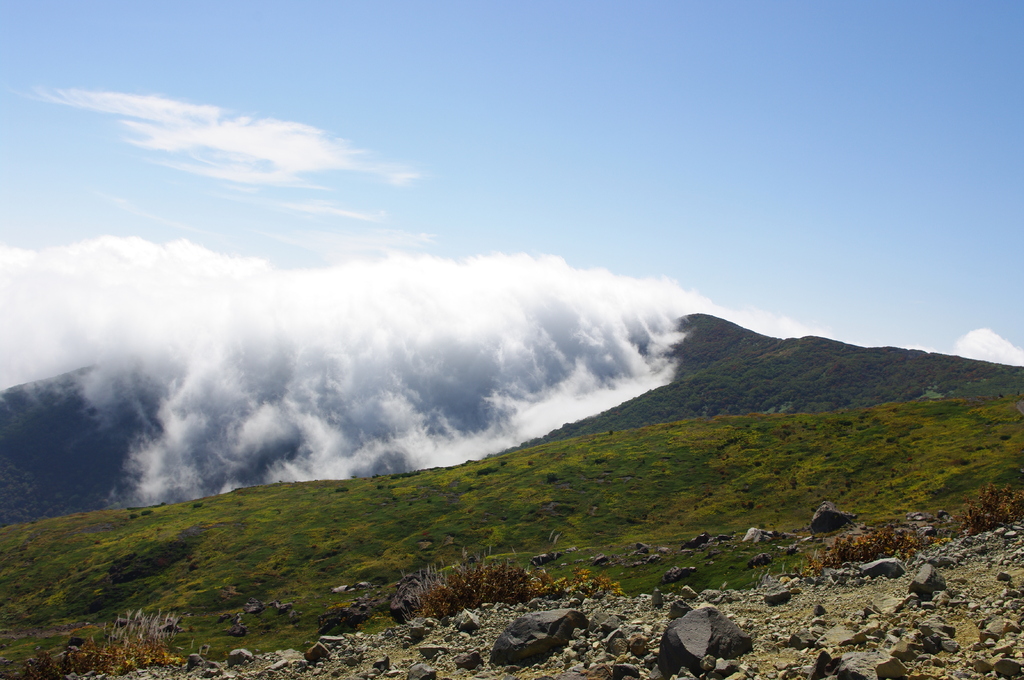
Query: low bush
{"points": [[136, 641], [468, 586], [992, 506], [582, 582], [884, 542]]}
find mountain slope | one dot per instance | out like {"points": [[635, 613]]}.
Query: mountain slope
{"points": [[58, 454], [659, 484], [727, 369]]}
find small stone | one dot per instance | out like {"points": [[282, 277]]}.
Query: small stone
{"points": [[687, 593], [468, 660], [1002, 576], [467, 621], [430, 652]]}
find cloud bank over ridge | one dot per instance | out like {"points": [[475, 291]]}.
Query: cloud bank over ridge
{"points": [[257, 374]]}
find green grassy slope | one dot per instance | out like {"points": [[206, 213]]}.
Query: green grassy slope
{"points": [[728, 370], [659, 484]]}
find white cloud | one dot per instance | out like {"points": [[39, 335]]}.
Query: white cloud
{"points": [[332, 210], [987, 345], [263, 374], [340, 247], [207, 140]]}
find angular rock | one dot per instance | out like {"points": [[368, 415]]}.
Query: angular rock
{"points": [[624, 670], [696, 542], [1007, 667], [407, 596], [421, 671], [194, 661], [382, 664], [679, 609], [759, 560], [599, 559], [467, 621], [860, 665], [702, 632], [317, 652], [936, 626], [253, 606], [755, 535], [237, 629], [638, 644], [687, 593], [906, 650], [676, 573], [889, 567], [932, 644], [468, 660], [802, 639], [927, 581], [890, 668], [838, 636], [829, 518], [823, 666], [431, 652], [536, 633], [779, 596], [237, 657], [603, 622], [887, 604], [544, 558]]}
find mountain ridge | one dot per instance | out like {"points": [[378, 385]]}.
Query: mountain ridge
{"points": [[725, 369], [58, 455]]}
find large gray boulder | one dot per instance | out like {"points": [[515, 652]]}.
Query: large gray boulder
{"points": [[536, 633], [699, 633], [829, 518]]}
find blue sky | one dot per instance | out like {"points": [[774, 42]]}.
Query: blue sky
{"points": [[855, 167]]}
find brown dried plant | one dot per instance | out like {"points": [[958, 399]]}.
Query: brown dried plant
{"points": [[884, 542], [468, 586], [992, 506], [135, 641]]}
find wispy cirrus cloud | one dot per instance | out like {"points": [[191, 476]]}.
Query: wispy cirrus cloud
{"points": [[330, 209], [207, 140]]}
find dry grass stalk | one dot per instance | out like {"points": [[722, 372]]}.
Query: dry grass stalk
{"points": [[135, 641]]}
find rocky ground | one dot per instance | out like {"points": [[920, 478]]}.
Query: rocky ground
{"points": [[964, 621]]}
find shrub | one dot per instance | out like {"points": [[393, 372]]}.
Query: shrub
{"points": [[583, 583], [468, 586], [991, 507], [884, 542], [136, 641]]}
